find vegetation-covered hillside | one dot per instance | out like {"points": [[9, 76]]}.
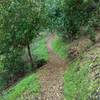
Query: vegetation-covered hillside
{"points": [[49, 49], [82, 79], [26, 88]]}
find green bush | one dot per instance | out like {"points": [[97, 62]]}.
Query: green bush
{"points": [[79, 13], [60, 47], [39, 49], [20, 21]]}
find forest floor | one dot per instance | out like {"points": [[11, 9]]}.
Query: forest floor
{"points": [[52, 75]]}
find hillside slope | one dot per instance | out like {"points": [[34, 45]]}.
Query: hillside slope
{"points": [[25, 89], [82, 79]]}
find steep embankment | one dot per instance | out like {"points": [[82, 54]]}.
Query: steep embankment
{"points": [[26, 89], [82, 79]]}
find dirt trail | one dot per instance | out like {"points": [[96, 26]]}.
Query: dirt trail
{"points": [[51, 76]]}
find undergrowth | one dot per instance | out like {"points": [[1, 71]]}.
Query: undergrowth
{"points": [[79, 79], [76, 81], [29, 84], [60, 47], [39, 49]]}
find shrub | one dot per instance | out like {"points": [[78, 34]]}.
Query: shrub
{"points": [[79, 13]]}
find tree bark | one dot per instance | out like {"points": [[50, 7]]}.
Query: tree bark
{"points": [[30, 55]]}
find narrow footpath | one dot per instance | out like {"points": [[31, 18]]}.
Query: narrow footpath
{"points": [[51, 76]]}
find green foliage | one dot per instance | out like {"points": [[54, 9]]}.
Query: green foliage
{"points": [[13, 67], [60, 47], [54, 14], [79, 79], [69, 17], [13, 61], [30, 84], [38, 48], [76, 82], [78, 13], [1, 65], [20, 22]]}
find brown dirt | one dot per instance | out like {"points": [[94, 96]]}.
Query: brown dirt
{"points": [[51, 76]]}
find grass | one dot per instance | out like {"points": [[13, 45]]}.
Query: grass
{"points": [[29, 84], [78, 79], [60, 47], [76, 82], [39, 48]]}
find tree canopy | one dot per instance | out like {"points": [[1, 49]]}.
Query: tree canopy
{"points": [[22, 20]]}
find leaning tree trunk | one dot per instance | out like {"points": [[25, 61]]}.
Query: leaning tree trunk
{"points": [[30, 55]]}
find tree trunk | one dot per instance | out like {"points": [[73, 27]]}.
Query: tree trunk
{"points": [[30, 55]]}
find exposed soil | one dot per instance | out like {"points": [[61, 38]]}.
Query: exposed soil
{"points": [[51, 76]]}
